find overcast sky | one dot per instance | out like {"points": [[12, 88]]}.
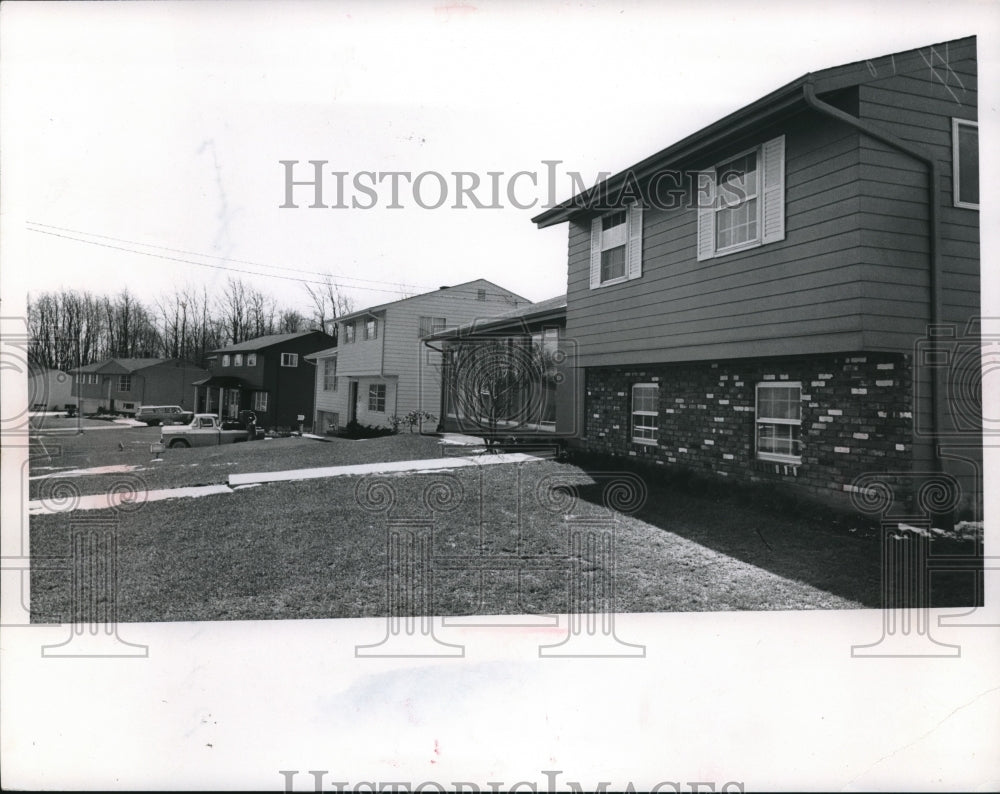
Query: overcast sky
{"points": [[159, 127]]}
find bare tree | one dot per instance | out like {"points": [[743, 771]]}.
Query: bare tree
{"points": [[329, 303]]}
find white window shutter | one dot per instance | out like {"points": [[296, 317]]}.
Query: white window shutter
{"points": [[773, 214], [634, 249], [595, 253], [705, 196]]}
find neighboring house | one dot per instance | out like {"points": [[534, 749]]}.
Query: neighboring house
{"points": [[49, 389], [791, 294], [268, 375], [380, 368], [513, 373], [121, 385]]}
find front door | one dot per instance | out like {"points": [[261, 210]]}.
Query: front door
{"points": [[352, 401], [232, 403]]}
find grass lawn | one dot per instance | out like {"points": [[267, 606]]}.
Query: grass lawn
{"points": [[309, 550], [201, 465]]}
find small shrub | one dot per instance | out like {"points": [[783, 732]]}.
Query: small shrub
{"points": [[411, 420]]}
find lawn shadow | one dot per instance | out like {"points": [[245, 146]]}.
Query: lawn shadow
{"points": [[790, 535]]}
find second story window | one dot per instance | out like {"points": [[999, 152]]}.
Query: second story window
{"points": [[330, 374], [616, 247], [289, 359], [741, 201], [430, 325], [371, 328], [225, 360], [124, 383], [965, 163], [238, 360], [251, 359], [349, 332]]}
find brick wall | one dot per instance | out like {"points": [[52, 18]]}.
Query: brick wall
{"points": [[856, 416]]}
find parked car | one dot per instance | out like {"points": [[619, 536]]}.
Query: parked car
{"points": [[163, 415], [204, 430]]}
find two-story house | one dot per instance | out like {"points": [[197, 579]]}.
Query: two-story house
{"points": [[380, 368], [268, 375], [122, 385], [791, 294]]}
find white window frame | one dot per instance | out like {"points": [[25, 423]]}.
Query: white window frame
{"points": [[95, 379], [124, 379], [238, 360], [289, 359], [349, 333], [373, 323], [956, 125], [599, 242], [373, 394], [774, 456], [717, 209], [251, 359], [329, 379], [649, 442], [770, 198], [225, 360], [260, 401], [428, 325]]}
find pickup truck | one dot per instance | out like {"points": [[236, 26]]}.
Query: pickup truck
{"points": [[205, 430]]}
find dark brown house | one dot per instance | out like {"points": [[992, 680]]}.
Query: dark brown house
{"points": [[268, 375], [123, 385], [792, 293]]}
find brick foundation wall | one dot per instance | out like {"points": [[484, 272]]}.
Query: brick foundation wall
{"points": [[856, 416]]}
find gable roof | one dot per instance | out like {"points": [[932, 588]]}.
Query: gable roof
{"points": [[260, 342], [518, 318], [457, 287], [123, 365], [784, 101]]}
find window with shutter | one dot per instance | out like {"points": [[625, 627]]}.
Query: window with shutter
{"points": [[616, 247], [742, 201]]}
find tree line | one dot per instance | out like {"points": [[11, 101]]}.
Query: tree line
{"points": [[72, 328]]}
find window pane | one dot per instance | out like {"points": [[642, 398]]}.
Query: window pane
{"points": [[612, 220], [968, 163], [613, 263]]}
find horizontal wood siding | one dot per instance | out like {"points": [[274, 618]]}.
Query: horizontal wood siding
{"points": [[916, 100], [407, 358], [798, 295]]}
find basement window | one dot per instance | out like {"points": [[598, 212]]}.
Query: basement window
{"points": [[645, 413], [779, 422]]}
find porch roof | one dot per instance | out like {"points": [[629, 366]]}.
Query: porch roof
{"points": [[222, 381]]}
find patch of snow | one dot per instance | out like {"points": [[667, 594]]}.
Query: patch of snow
{"points": [[117, 469], [131, 502], [388, 467], [314, 436], [462, 440]]}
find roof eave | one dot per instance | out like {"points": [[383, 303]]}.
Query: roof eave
{"points": [[754, 114]]}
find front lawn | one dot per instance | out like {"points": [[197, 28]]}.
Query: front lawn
{"points": [[309, 550], [129, 451]]}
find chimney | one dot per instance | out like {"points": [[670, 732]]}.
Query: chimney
{"points": [[442, 288]]}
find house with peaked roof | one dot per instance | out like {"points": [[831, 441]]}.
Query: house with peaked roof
{"points": [[380, 367], [49, 389], [513, 374], [269, 375], [791, 294], [122, 385]]}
